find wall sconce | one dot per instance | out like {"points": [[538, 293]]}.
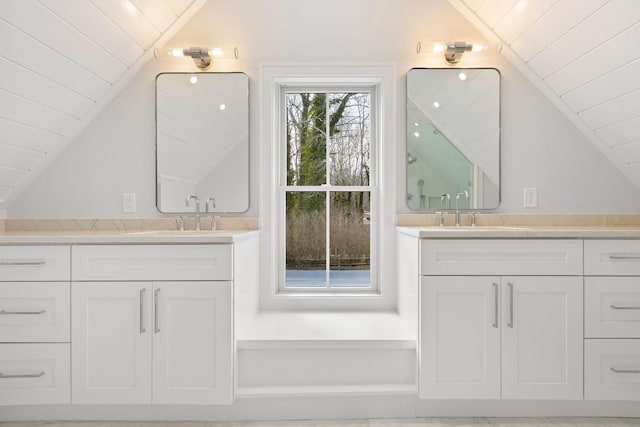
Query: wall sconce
{"points": [[202, 56], [453, 51]]}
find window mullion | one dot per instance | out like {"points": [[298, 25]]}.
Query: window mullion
{"points": [[328, 242], [327, 163]]}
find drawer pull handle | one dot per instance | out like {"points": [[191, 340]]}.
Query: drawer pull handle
{"points": [[156, 323], [615, 256], [38, 375], [625, 371], [18, 263], [142, 328], [622, 307], [495, 305], [510, 322], [22, 312]]}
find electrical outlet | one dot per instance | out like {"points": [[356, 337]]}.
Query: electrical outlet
{"points": [[128, 202], [530, 197]]}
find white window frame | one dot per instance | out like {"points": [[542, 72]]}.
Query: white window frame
{"points": [[275, 79], [372, 188]]}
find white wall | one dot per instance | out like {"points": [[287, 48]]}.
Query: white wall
{"points": [[115, 153]]}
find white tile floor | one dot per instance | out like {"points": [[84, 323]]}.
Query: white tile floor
{"points": [[422, 422]]}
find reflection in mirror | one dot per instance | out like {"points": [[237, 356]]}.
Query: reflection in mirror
{"points": [[202, 141], [453, 138]]}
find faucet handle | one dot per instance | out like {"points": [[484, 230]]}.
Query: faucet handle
{"points": [[180, 221], [210, 202], [441, 221], [473, 219]]}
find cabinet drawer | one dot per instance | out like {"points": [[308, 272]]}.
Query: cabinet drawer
{"points": [[501, 257], [612, 369], [152, 262], [612, 307], [32, 374], [34, 312], [612, 257], [31, 263]]}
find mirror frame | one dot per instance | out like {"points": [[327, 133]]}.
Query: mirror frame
{"points": [[248, 206], [406, 145]]}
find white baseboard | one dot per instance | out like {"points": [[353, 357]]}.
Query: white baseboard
{"points": [[323, 407]]}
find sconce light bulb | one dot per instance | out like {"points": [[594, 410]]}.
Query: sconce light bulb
{"points": [[216, 52], [462, 76], [439, 47], [193, 80], [176, 52], [477, 47]]}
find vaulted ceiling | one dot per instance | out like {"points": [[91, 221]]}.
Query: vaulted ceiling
{"points": [[61, 62], [584, 55]]}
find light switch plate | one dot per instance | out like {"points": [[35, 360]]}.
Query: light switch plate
{"points": [[530, 197], [128, 202]]}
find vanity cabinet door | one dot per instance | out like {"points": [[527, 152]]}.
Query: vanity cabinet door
{"points": [[111, 342], [192, 343], [459, 337], [542, 337]]}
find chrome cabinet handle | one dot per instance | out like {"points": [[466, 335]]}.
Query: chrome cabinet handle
{"points": [[142, 329], [495, 305], [510, 322], [156, 325], [625, 371], [18, 263], [622, 307], [22, 312], [38, 375], [615, 256]]}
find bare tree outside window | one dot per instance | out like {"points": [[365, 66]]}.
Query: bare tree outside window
{"points": [[328, 235]]}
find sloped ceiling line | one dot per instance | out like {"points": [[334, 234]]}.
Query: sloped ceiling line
{"points": [[583, 55], [65, 61]]}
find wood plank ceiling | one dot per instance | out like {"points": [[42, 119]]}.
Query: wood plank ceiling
{"points": [[61, 61], [584, 54]]}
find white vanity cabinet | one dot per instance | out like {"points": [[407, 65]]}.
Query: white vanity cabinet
{"points": [[34, 325], [140, 335], [612, 319], [500, 319]]}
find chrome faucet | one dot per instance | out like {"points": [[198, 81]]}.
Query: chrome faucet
{"points": [[197, 210], [211, 201], [466, 195]]}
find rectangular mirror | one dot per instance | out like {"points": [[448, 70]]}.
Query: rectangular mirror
{"points": [[453, 138], [202, 141]]}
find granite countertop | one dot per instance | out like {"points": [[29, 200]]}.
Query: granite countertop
{"points": [[123, 237], [522, 231]]}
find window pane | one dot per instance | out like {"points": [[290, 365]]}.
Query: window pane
{"points": [[306, 138], [350, 237], [350, 144], [306, 235]]}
